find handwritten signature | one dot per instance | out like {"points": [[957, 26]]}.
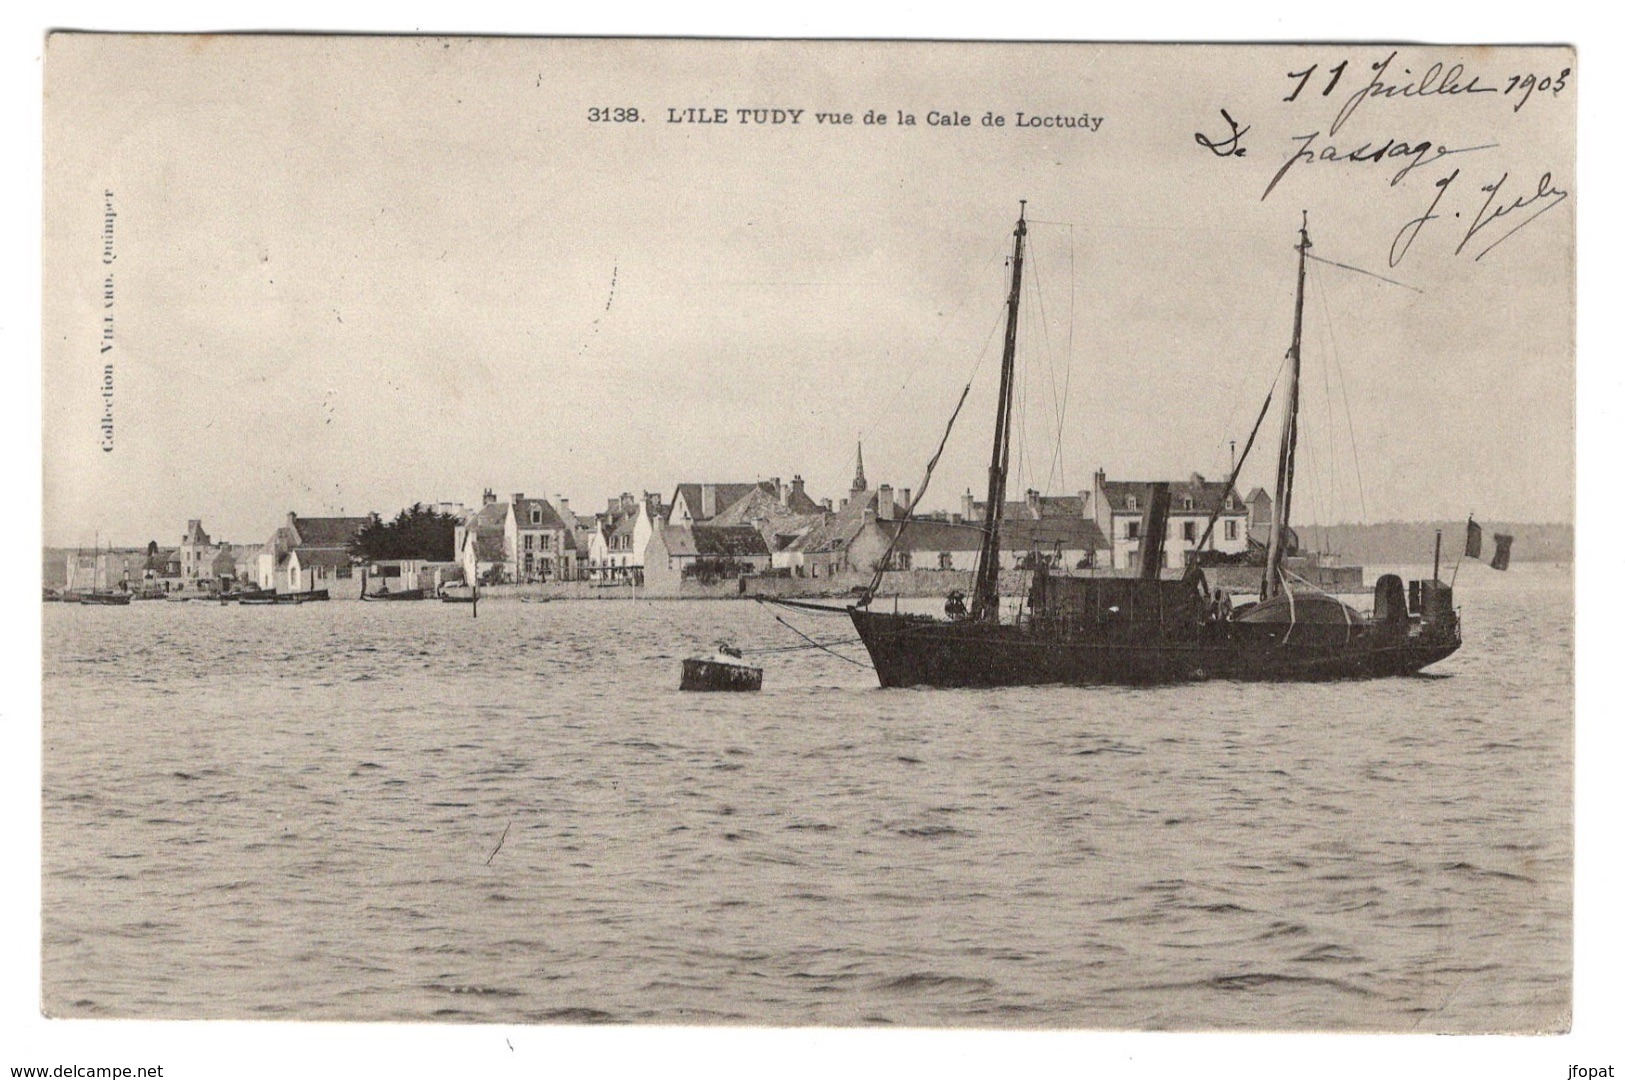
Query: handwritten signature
{"points": [[1496, 220]]}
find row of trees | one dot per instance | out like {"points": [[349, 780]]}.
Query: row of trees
{"points": [[417, 532]]}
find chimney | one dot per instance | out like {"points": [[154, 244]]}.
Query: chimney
{"points": [[1032, 500], [967, 505], [708, 501], [1197, 480], [564, 504], [886, 508], [1100, 479], [828, 505], [798, 486], [518, 495], [903, 500], [293, 520], [844, 502], [778, 490], [488, 498]]}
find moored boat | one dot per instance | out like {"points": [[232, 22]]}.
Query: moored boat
{"points": [[1148, 629], [725, 670]]}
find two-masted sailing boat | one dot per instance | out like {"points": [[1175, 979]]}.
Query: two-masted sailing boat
{"points": [[1147, 629]]}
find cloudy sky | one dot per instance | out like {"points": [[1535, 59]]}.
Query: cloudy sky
{"points": [[353, 273]]}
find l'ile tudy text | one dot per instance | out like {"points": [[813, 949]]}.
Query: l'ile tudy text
{"points": [[717, 115]]}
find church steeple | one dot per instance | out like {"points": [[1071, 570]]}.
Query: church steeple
{"points": [[858, 482]]}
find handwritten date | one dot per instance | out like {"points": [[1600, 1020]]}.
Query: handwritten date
{"points": [[1437, 80]]}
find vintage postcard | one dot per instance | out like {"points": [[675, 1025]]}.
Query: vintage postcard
{"points": [[841, 534]]}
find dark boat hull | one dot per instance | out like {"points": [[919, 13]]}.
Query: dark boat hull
{"points": [[713, 675], [404, 594], [911, 650]]}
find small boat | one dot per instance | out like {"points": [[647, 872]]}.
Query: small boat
{"points": [[105, 599], [723, 670], [458, 598], [305, 597], [398, 594]]}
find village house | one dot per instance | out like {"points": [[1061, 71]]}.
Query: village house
{"points": [[308, 553], [704, 554], [519, 541], [212, 565], [1120, 507], [620, 540], [543, 547]]}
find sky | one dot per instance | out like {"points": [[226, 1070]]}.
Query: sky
{"points": [[350, 274]]}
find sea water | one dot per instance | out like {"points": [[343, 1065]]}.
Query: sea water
{"points": [[351, 811]]}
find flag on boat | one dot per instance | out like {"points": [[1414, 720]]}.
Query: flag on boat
{"points": [[1475, 538], [1503, 552]]}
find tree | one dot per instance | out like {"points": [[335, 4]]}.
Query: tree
{"points": [[416, 533]]}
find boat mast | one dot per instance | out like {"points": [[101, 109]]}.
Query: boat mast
{"points": [[985, 599], [1286, 463]]}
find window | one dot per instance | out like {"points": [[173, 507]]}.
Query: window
{"points": [[342, 572], [905, 560], [1188, 503], [530, 542], [1190, 531], [1133, 502], [1134, 530], [945, 560], [535, 515], [547, 542], [1230, 529]]}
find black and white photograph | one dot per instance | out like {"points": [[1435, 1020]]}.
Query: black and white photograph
{"points": [[553, 533]]}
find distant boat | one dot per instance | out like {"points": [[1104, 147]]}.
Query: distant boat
{"points": [[725, 670], [398, 594], [263, 597], [105, 599]]}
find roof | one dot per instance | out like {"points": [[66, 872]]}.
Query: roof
{"points": [[727, 495], [1205, 497], [493, 515], [1070, 532], [334, 532], [934, 536], [837, 530], [523, 508], [1047, 506], [679, 540], [728, 541], [325, 557]]}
